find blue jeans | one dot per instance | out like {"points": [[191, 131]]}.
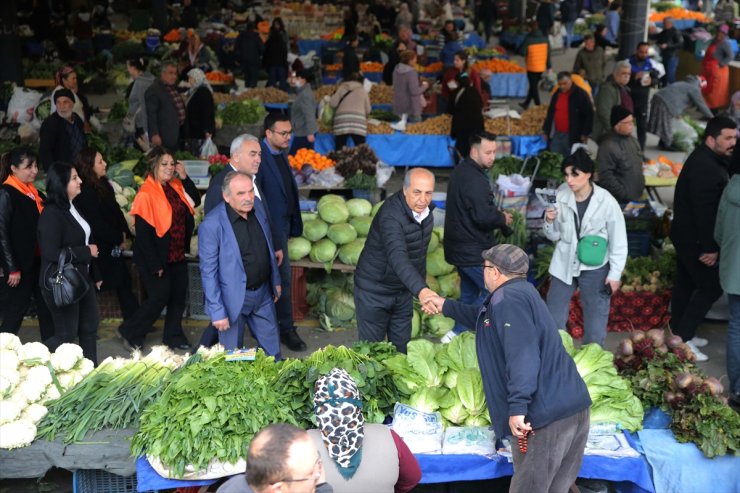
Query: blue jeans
{"points": [[277, 76], [472, 290], [560, 143], [569, 26], [733, 343], [671, 64], [594, 301]]}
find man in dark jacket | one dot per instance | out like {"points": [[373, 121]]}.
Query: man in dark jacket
{"points": [[699, 188], [620, 159], [470, 218], [62, 134], [569, 117], [644, 76], [249, 49], [669, 41], [279, 192], [165, 109], [590, 63], [392, 266], [530, 381]]}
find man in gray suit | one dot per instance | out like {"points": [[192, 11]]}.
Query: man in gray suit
{"points": [[165, 109]]}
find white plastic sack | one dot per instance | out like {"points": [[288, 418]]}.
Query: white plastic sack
{"points": [[383, 173], [422, 432], [477, 440], [514, 185], [367, 85], [327, 178], [22, 103], [208, 149], [684, 135]]}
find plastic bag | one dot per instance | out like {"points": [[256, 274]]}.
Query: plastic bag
{"points": [[684, 135], [22, 104], [477, 440], [326, 113], [208, 149], [383, 173], [422, 432], [327, 178], [548, 81], [514, 185]]}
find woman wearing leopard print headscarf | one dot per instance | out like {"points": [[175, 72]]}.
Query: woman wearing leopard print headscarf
{"points": [[357, 456]]}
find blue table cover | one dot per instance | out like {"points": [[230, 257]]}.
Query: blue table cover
{"points": [[400, 149], [307, 45], [509, 85], [473, 39], [373, 76], [680, 24], [383, 107]]}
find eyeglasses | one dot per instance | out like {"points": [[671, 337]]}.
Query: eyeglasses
{"points": [[315, 476], [489, 266], [283, 134]]}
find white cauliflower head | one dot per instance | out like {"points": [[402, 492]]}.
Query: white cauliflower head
{"points": [[52, 392], [9, 380], [34, 413], [85, 366], [9, 341], [9, 359], [33, 391], [9, 412], [34, 353], [19, 433], [39, 374], [66, 357], [19, 397], [69, 379]]}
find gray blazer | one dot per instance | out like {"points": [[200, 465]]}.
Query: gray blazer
{"points": [[161, 115]]}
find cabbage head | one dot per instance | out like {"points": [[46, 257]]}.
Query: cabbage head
{"points": [[323, 251], [298, 248], [440, 232], [334, 212], [350, 253], [432, 283], [341, 234], [340, 305], [315, 230], [415, 324], [449, 285], [361, 225], [438, 325], [433, 243], [376, 208], [308, 216], [359, 207], [436, 263]]}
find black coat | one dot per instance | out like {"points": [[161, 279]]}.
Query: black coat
{"points": [[470, 215], [19, 218], [108, 226], [466, 111], [58, 229], [569, 10], [350, 62], [394, 258], [580, 115], [696, 200], [54, 141], [161, 115], [249, 48], [671, 37], [150, 251], [200, 114], [276, 52]]}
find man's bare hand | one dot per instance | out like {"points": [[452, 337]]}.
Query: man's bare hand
{"points": [[279, 257], [278, 293], [709, 259], [425, 295], [518, 427], [509, 218], [434, 305], [221, 325]]}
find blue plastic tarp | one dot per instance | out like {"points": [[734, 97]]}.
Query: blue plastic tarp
{"points": [[307, 45], [473, 39], [508, 85], [511, 39]]}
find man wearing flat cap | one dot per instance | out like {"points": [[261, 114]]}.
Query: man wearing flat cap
{"points": [[62, 135], [620, 159], [533, 389]]}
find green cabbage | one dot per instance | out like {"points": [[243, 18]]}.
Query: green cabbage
{"points": [[436, 264], [469, 389], [350, 253], [432, 283], [315, 230], [298, 248], [308, 216], [415, 324], [323, 251], [333, 212], [429, 399], [340, 305], [433, 243], [361, 225], [440, 232], [341, 234], [449, 285], [438, 325], [567, 342], [421, 359], [359, 207]]}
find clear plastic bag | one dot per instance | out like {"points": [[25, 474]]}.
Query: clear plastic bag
{"points": [[684, 135], [208, 148]]}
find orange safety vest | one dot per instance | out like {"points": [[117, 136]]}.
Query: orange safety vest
{"points": [[537, 57]]}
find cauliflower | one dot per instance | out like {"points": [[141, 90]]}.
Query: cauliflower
{"points": [[19, 433], [34, 413], [116, 187], [32, 390], [85, 366], [9, 341], [121, 200], [34, 353], [52, 392], [19, 398], [40, 375], [69, 379], [9, 412], [66, 357], [9, 379], [9, 359]]}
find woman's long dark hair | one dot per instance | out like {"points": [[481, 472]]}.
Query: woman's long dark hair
{"points": [[57, 178], [85, 167], [15, 158]]}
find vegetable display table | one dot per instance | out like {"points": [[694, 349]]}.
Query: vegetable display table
{"points": [[652, 183], [509, 85], [401, 149]]}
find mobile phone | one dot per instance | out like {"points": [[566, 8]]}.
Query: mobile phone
{"points": [[607, 289]]}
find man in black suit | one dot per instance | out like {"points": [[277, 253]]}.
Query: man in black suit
{"points": [[165, 109], [62, 134]]}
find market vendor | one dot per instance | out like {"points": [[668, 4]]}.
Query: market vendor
{"points": [[533, 390], [715, 68], [392, 266]]}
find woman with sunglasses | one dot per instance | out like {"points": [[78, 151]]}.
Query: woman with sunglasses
{"points": [[163, 218]]}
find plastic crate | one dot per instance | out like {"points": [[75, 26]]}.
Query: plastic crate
{"points": [[298, 292], [98, 481], [196, 295], [638, 243]]}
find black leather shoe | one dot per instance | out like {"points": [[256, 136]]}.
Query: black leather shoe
{"points": [[182, 346], [293, 341], [127, 345]]}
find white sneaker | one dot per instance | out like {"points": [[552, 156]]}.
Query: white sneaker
{"points": [[698, 354], [699, 341], [448, 337]]}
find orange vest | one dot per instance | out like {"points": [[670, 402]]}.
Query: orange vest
{"points": [[537, 57]]}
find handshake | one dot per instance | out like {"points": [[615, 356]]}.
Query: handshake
{"points": [[431, 302]]}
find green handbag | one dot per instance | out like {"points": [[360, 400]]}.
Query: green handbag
{"points": [[591, 249]]}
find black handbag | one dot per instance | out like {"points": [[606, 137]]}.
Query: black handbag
{"points": [[67, 284]]}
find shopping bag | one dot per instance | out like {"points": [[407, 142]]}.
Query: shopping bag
{"points": [[208, 148]]}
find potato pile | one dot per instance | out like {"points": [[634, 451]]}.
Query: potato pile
{"points": [[530, 123], [438, 125], [381, 94], [265, 94], [318, 94], [382, 128]]}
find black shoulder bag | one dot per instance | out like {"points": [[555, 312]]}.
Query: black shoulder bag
{"points": [[67, 284]]}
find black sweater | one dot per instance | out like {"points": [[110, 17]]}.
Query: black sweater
{"points": [[526, 370], [394, 257], [470, 215], [466, 109], [19, 218]]}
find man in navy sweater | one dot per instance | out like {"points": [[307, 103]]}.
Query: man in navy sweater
{"points": [[532, 386]]}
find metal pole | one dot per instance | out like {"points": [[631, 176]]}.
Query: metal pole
{"points": [[633, 26]]}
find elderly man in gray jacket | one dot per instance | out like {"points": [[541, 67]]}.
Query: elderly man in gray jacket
{"points": [[303, 112], [620, 159]]}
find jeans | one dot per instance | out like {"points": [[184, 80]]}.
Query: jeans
{"points": [[560, 143], [258, 312], [695, 289], [569, 26], [381, 315], [733, 343], [472, 290], [671, 64], [277, 76], [594, 301], [534, 91]]}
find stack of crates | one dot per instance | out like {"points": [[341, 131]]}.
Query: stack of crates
{"points": [[98, 481]]}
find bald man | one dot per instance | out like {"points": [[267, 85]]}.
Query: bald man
{"points": [[392, 266]]}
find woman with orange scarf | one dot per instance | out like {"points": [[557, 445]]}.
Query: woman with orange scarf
{"points": [[163, 219], [20, 207]]}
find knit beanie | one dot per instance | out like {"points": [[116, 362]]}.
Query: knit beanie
{"points": [[619, 113]]}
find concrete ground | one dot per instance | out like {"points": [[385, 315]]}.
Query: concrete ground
{"points": [[59, 481]]}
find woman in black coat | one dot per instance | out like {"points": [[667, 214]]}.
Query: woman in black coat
{"points": [[275, 57], [97, 203], [20, 207], [163, 211], [200, 111], [61, 226], [466, 108]]}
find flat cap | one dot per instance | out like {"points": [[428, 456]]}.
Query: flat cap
{"points": [[509, 258]]}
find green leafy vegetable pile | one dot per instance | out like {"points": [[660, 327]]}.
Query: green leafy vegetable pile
{"points": [[244, 112], [518, 236], [118, 110]]}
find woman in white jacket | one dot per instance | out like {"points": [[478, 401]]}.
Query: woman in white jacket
{"points": [[583, 209]]}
